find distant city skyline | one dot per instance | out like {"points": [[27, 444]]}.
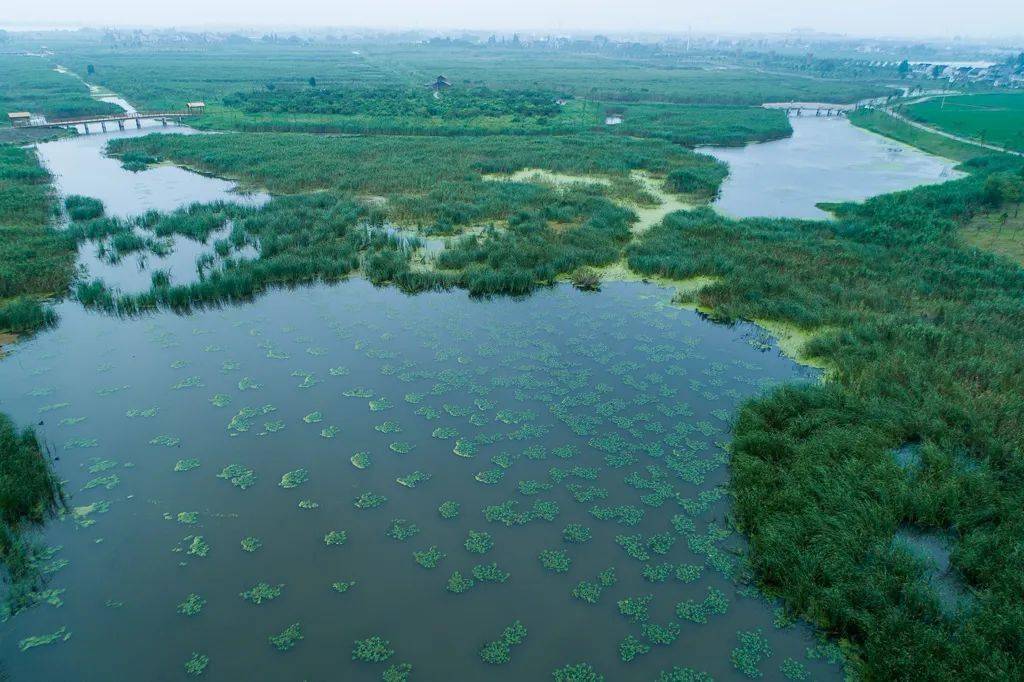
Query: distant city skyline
{"points": [[881, 18]]}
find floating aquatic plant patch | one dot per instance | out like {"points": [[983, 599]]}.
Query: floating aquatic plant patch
{"points": [[251, 544], [430, 557], [555, 560], [262, 592], [489, 573], [458, 583], [240, 476], [197, 546], [62, 634], [373, 649], [479, 542], [414, 479], [293, 479], [400, 529], [631, 647], [751, 652], [287, 638], [335, 538], [192, 605], [369, 500], [499, 651], [449, 509], [196, 664]]}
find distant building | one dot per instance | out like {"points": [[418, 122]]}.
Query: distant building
{"points": [[440, 83], [195, 107], [19, 118]]}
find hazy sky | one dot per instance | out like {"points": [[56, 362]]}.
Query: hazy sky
{"points": [[945, 18]]}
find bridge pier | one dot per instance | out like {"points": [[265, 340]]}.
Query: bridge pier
{"points": [[86, 126], [103, 126], [120, 125], [138, 123], [164, 121]]}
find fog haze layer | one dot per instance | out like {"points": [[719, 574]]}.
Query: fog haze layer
{"points": [[983, 18]]}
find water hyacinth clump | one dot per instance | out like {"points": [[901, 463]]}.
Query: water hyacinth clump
{"points": [[342, 586], [414, 479], [489, 573], [369, 500], [555, 560], [192, 605], [373, 649], [251, 544], [397, 672], [631, 647], [240, 476], [402, 530], [748, 656], [449, 509], [196, 664], [287, 638], [576, 533], [580, 672], [293, 479], [479, 542], [186, 464], [458, 583], [62, 634], [499, 651], [430, 557], [335, 538], [262, 592]]}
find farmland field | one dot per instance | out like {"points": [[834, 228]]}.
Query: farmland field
{"points": [[993, 118]]}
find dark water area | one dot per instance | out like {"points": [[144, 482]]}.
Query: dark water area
{"points": [[613, 398]]}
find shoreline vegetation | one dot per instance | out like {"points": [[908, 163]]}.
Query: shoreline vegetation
{"points": [[920, 332]]}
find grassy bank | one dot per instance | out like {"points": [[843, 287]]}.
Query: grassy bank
{"points": [[29, 494], [924, 349], [884, 124], [35, 260]]}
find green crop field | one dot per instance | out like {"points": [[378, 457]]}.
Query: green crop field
{"points": [[993, 118]]}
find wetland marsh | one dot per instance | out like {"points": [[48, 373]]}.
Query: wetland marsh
{"points": [[473, 391]]}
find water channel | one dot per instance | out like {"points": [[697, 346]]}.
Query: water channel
{"points": [[827, 159]]}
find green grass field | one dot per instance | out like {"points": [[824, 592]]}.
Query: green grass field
{"points": [[993, 118], [31, 84]]}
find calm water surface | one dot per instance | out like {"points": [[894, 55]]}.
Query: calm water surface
{"points": [[826, 160], [79, 166], [598, 400]]}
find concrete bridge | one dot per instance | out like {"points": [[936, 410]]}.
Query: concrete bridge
{"points": [[118, 119], [801, 111], [821, 109]]}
